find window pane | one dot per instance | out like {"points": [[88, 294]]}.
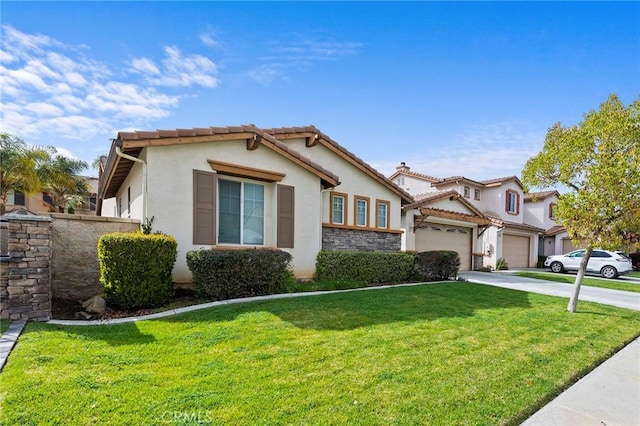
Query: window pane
{"points": [[229, 212], [361, 212], [338, 209], [382, 215], [253, 214]]}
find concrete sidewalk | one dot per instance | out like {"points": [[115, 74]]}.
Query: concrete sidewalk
{"points": [[607, 396]]}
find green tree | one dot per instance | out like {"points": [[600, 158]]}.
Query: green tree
{"points": [[598, 160], [20, 167], [62, 181]]}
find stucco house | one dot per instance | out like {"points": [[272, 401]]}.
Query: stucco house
{"points": [[539, 210], [499, 201], [291, 188]]}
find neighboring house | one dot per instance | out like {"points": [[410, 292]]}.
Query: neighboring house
{"points": [[500, 201], [294, 189], [539, 210], [41, 202]]}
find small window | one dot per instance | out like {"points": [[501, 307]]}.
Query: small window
{"points": [[129, 201], [362, 211], [579, 253], [512, 202], [47, 198], [382, 214], [598, 253], [16, 198], [338, 208], [467, 192], [241, 212], [476, 194], [400, 181], [552, 211]]}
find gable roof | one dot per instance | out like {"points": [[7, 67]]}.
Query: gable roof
{"points": [[430, 197], [406, 172], [502, 180], [539, 196], [117, 168], [422, 205], [455, 179], [314, 136]]}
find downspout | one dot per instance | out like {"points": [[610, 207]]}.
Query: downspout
{"points": [[144, 179]]}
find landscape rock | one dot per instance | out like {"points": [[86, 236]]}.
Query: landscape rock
{"points": [[95, 305]]}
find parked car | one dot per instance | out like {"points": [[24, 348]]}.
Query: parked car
{"points": [[609, 264]]}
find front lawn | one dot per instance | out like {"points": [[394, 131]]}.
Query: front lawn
{"points": [[449, 353], [589, 281]]}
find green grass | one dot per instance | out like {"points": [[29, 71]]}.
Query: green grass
{"points": [[635, 274], [4, 325], [440, 354], [588, 281]]}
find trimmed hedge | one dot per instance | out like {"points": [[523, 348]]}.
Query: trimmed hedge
{"points": [[368, 267], [437, 265], [135, 269], [228, 274]]}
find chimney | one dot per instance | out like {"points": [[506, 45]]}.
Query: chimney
{"points": [[403, 167]]}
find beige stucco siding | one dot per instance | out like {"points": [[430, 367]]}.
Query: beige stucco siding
{"points": [[354, 182], [170, 175]]}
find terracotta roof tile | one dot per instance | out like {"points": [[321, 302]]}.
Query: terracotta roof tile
{"points": [[312, 129], [530, 196]]}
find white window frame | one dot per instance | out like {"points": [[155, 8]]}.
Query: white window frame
{"points": [[387, 208], [243, 203], [333, 196]]}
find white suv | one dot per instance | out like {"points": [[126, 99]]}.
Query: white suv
{"points": [[609, 264]]}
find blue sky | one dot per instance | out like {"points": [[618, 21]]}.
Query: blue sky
{"points": [[450, 88]]}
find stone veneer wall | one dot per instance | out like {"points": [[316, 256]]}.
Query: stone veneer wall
{"points": [[25, 284], [339, 239], [74, 253], [478, 261]]}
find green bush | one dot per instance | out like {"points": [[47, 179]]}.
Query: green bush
{"points": [[502, 265], [228, 274], [437, 265], [368, 267], [135, 269]]}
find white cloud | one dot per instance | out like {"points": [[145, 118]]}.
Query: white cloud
{"points": [[52, 90], [210, 39], [178, 70], [299, 54]]}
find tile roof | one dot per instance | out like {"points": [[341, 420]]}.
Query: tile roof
{"points": [[405, 196], [451, 179], [535, 196], [414, 174], [501, 180]]}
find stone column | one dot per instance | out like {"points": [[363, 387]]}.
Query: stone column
{"points": [[27, 271]]}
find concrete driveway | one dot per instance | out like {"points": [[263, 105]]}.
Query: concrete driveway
{"points": [[622, 299]]}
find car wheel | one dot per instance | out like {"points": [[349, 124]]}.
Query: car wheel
{"points": [[557, 267], [609, 272]]}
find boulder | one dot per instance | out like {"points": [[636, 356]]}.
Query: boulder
{"points": [[95, 305]]}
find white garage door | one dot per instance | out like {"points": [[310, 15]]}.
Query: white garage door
{"points": [[515, 250], [434, 236], [567, 246]]}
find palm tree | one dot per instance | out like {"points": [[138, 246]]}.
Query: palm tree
{"points": [[19, 167], [61, 181]]}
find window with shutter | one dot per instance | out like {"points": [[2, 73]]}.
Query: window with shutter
{"points": [[286, 216], [204, 207]]}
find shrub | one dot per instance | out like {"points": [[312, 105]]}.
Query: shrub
{"points": [[437, 265], [135, 269], [635, 261], [367, 267], [228, 274], [501, 264]]}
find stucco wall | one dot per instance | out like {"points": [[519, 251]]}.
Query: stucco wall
{"points": [[170, 176], [75, 273]]}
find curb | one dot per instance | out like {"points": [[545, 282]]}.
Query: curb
{"points": [[9, 339], [173, 312]]}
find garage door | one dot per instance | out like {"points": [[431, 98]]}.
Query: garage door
{"points": [[434, 236], [567, 246], [515, 250]]}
